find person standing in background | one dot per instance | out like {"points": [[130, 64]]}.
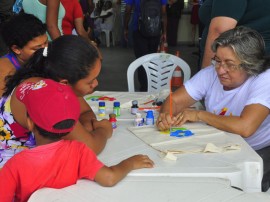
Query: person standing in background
{"points": [[87, 8], [50, 12], [73, 19], [221, 15], [194, 20], [174, 11], [126, 43], [143, 45]]}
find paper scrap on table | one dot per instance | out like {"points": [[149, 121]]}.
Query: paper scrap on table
{"points": [[168, 156], [206, 139], [210, 147]]}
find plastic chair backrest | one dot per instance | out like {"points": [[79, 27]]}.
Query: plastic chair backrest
{"points": [[159, 69], [109, 32]]}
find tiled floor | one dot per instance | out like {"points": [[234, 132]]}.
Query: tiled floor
{"points": [[113, 76]]}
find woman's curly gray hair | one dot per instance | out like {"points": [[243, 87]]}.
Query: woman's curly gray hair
{"points": [[249, 47]]}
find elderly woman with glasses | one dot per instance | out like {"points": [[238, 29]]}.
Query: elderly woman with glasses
{"points": [[235, 90]]}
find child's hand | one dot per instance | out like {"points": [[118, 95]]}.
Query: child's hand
{"points": [[140, 161], [109, 176]]}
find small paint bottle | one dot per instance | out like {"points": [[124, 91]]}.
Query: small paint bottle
{"points": [[112, 119], [149, 118], [101, 109], [138, 121], [134, 107], [116, 108]]}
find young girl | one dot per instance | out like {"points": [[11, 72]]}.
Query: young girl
{"points": [[70, 60]]}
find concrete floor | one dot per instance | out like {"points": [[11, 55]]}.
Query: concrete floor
{"points": [[113, 76]]}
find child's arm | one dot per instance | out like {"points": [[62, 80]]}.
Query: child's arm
{"points": [[109, 176], [86, 115], [102, 125]]}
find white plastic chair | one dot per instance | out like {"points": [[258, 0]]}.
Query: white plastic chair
{"points": [[109, 33], [159, 68]]}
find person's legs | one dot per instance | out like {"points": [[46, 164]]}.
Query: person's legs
{"points": [[123, 40], [193, 34], [265, 155], [153, 44], [142, 46], [172, 29]]}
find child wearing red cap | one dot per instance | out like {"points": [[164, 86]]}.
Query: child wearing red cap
{"points": [[56, 163]]}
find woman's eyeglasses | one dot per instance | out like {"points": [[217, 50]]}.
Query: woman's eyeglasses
{"points": [[229, 67]]}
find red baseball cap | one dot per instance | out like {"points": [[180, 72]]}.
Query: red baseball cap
{"points": [[48, 103]]}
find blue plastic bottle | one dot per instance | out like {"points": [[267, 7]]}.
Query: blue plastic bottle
{"points": [[149, 118]]}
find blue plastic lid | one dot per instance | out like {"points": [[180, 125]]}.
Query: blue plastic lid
{"points": [[101, 104], [150, 114], [116, 104]]}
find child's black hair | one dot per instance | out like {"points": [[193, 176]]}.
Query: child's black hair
{"points": [[65, 124], [68, 57], [21, 29]]}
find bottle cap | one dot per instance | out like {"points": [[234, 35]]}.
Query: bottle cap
{"points": [[112, 115], [116, 104], [134, 102], [101, 104], [150, 114], [138, 115]]}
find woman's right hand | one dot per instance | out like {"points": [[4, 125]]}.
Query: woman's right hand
{"points": [[164, 121]]}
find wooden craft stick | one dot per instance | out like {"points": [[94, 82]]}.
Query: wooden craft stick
{"points": [[171, 99], [170, 103]]}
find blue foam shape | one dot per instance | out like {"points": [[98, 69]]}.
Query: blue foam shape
{"points": [[181, 133]]}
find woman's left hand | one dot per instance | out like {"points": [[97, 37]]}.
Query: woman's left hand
{"points": [[186, 115]]}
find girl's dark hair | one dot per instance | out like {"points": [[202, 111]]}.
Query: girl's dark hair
{"points": [[68, 57], [21, 29], [68, 123]]}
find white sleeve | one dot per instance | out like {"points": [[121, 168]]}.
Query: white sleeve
{"points": [[198, 86], [259, 92]]}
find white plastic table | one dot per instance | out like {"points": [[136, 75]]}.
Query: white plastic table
{"points": [[244, 169], [147, 189]]}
